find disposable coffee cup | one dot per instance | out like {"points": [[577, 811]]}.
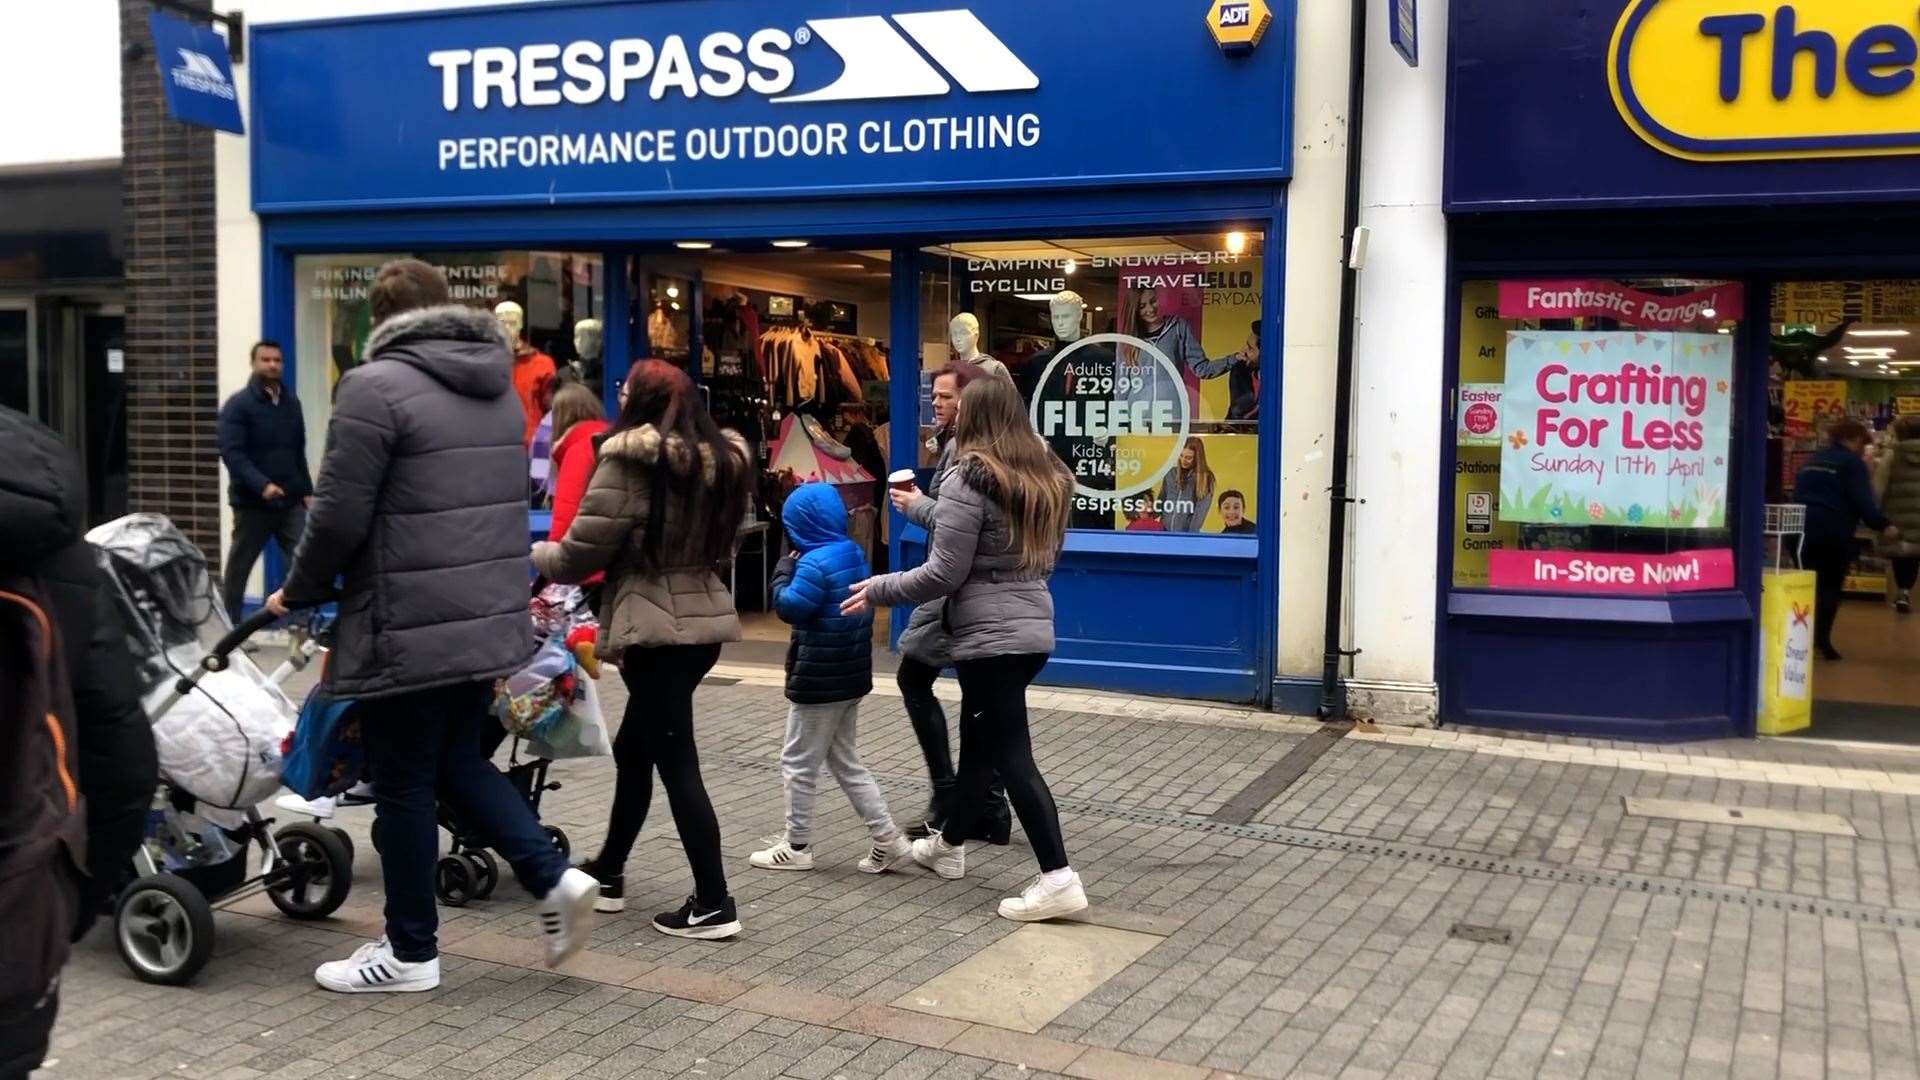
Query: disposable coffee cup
{"points": [[901, 480]]}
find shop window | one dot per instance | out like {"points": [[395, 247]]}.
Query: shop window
{"points": [[556, 298], [1596, 426], [1139, 358]]}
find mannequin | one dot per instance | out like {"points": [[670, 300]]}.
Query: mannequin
{"points": [[589, 340], [963, 333], [1068, 312], [533, 370]]}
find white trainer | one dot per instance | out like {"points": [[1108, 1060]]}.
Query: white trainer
{"points": [[885, 856], [933, 853], [782, 856], [566, 914], [319, 809], [372, 969], [1042, 901]]}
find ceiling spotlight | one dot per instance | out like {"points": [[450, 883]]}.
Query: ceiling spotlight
{"points": [[673, 292], [1236, 243], [694, 245], [1826, 359], [790, 243], [1879, 333], [1726, 330], [1070, 266], [1708, 313], [1853, 363]]}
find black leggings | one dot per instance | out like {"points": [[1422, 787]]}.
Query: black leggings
{"points": [[657, 733], [1829, 562], [994, 738], [1906, 570], [928, 718]]}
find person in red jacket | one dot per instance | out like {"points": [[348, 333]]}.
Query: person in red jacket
{"points": [[577, 422]]}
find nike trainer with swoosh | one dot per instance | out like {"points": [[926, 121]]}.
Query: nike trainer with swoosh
{"points": [[700, 922]]}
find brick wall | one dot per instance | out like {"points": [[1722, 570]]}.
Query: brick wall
{"points": [[172, 312]]}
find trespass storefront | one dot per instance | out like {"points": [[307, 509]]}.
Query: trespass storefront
{"points": [[812, 207], [1681, 250]]}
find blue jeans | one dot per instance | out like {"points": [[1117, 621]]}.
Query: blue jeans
{"points": [[428, 745]]}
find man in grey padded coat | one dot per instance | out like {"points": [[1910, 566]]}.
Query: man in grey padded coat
{"points": [[421, 513]]}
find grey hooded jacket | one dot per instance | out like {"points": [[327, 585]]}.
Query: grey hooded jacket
{"points": [[993, 607], [422, 508]]}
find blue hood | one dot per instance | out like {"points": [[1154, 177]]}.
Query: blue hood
{"points": [[814, 516]]}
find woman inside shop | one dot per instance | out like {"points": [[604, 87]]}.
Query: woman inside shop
{"points": [[1837, 491], [1187, 495], [999, 524], [660, 516], [925, 649], [1900, 499]]}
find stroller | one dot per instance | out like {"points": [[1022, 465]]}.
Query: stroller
{"points": [[219, 725], [469, 871]]}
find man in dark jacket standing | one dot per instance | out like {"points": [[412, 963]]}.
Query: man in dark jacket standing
{"points": [[1837, 491], [421, 510], [263, 441], [48, 571]]}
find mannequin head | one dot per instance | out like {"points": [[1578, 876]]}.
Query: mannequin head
{"points": [[513, 319], [1068, 309], [588, 336], [964, 334]]}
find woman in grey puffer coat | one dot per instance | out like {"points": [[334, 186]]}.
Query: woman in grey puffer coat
{"points": [[998, 528], [926, 649], [1899, 483]]}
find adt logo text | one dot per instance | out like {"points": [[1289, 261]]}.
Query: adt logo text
{"points": [[1236, 14], [1238, 25]]}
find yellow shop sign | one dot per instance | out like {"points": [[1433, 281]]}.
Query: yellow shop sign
{"points": [[1732, 80]]}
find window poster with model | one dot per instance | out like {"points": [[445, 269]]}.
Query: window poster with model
{"points": [[1140, 361]]}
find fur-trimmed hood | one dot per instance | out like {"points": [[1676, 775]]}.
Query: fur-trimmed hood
{"points": [[978, 476], [463, 348], [643, 446]]}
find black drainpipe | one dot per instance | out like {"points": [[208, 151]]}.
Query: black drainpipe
{"points": [[1332, 696]]}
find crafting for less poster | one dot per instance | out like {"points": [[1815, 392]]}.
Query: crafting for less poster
{"points": [[1624, 428]]}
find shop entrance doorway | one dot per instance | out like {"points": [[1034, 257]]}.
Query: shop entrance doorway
{"points": [[1845, 442]]}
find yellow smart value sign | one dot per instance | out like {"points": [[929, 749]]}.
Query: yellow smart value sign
{"points": [[1743, 80]]}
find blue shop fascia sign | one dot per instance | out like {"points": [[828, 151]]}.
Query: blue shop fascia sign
{"points": [[690, 99], [1682, 102]]}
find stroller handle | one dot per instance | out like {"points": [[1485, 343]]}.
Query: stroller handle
{"points": [[251, 625]]}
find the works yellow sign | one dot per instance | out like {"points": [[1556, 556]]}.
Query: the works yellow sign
{"points": [[1732, 80]]}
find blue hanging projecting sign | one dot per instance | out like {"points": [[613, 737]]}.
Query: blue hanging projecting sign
{"points": [[195, 73], [687, 99], [1403, 29]]}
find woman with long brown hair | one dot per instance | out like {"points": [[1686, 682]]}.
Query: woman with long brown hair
{"points": [[999, 525], [1187, 495], [661, 517]]}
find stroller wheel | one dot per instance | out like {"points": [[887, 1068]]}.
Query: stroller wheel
{"points": [[486, 872], [560, 841], [164, 929], [453, 880], [316, 873], [346, 841]]}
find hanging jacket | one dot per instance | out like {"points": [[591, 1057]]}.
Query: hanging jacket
{"points": [[830, 655], [422, 507], [681, 598]]}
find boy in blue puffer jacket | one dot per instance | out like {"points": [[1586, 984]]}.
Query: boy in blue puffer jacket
{"points": [[829, 669]]}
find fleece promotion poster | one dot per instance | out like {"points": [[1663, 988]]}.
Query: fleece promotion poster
{"points": [[1623, 428]]}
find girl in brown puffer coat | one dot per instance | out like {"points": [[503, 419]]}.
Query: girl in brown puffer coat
{"points": [[661, 517]]}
